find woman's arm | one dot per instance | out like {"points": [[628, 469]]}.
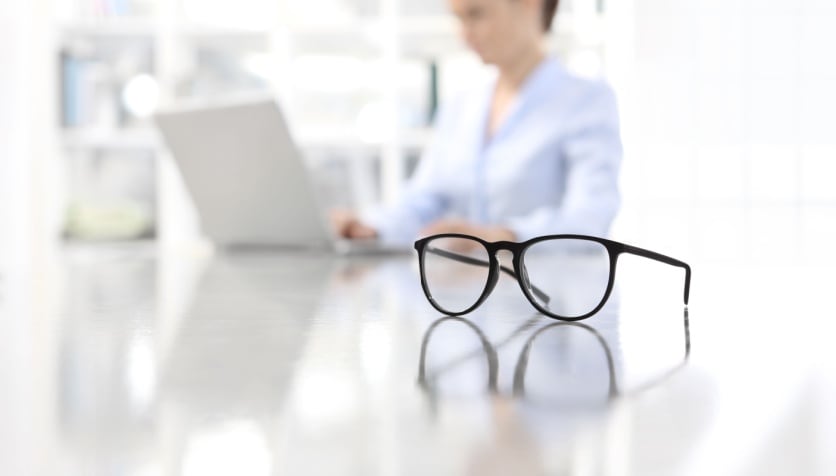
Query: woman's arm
{"points": [[424, 199]]}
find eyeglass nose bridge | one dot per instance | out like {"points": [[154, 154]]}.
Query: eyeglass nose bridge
{"points": [[517, 268], [498, 246], [509, 246]]}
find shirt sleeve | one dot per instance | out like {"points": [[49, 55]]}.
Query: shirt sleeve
{"points": [[592, 151], [424, 199]]}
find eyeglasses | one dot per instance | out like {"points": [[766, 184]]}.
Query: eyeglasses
{"points": [[566, 277]]}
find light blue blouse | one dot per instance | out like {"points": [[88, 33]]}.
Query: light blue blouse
{"points": [[551, 167]]}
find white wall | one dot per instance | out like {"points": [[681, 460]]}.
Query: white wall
{"points": [[21, 152], [13, 223], [730, 128], [14, 132]]}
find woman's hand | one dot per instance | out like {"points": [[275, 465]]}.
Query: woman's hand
{"points": [[346, 225], [487, 233]]}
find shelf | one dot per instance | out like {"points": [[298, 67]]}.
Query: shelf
{"points": [[111, 139], [443, 25], [345, 137], [198, 31], [418, 25], [317, 138], [110, 28], [586, 29]]}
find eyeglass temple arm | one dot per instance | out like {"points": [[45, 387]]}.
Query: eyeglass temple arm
{"points": [[478, 262], [664, 259]]}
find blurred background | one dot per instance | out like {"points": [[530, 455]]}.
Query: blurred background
{"points": [[728, 110], [728, 113]]}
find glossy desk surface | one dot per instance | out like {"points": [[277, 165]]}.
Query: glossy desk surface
{"points": [[124, 362]]}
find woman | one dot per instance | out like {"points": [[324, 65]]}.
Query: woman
{"points": [[533, 151]]}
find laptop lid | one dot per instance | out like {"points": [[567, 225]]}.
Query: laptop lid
{"points": [[245, 174]]}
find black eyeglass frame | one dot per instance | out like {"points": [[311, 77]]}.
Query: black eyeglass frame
{"points": [[518, 249]]}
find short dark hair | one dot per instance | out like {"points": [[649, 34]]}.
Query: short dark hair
{"points": [[549, 7]]}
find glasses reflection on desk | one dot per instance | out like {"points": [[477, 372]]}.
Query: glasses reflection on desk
{"points": [[579, 371]]}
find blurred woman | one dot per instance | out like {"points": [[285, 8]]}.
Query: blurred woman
{"points": [[533, 150]]}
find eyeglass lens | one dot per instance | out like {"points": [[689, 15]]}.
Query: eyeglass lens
{"points": [[456, 272], [573, 273]]}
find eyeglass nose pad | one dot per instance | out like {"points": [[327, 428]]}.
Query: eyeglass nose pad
{"points": [[493, 276], [524, 275]]}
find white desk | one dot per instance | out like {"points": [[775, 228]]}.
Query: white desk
{"points": [[123, 363]]}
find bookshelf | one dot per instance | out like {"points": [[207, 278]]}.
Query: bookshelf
{"points": [[119, 60]]}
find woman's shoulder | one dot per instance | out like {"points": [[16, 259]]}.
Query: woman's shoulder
{"points": [[576, 88]]}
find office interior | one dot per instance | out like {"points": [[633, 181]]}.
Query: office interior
{"points": [[131, 346]]}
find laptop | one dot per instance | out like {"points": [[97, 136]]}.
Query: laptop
{"points": [[248, 179]]}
